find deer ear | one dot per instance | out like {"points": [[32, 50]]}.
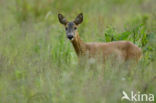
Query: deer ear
{"points": [[62, 19], [78, 20]]}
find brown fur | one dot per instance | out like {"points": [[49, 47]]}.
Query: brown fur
{"points": [[123, 49]]}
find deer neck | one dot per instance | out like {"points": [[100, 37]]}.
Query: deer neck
{"points": [[78, 45]]}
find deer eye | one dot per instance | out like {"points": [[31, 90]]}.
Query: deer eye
{"points": [[66, 28], [75, 28]]}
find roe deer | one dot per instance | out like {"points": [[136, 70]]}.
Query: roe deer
{"points": [[125, 50]]}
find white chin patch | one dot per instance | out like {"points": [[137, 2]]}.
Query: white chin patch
{"points": [[72, 39]]}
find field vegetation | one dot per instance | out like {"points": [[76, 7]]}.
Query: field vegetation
{"points": [[39, 65]]}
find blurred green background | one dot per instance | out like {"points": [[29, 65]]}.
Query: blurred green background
{"points": [[39, 65]]}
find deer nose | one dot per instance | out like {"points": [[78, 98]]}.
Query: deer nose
{"points": [[70, 37]]}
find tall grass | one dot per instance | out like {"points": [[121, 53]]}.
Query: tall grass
{"points": [[39, 65]]}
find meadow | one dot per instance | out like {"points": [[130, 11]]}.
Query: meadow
{"points": [[38, 63]]}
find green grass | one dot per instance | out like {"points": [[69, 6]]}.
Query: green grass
{"points": [[39, 65]]}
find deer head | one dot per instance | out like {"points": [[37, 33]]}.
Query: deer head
{"points": [[71, 27]]}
